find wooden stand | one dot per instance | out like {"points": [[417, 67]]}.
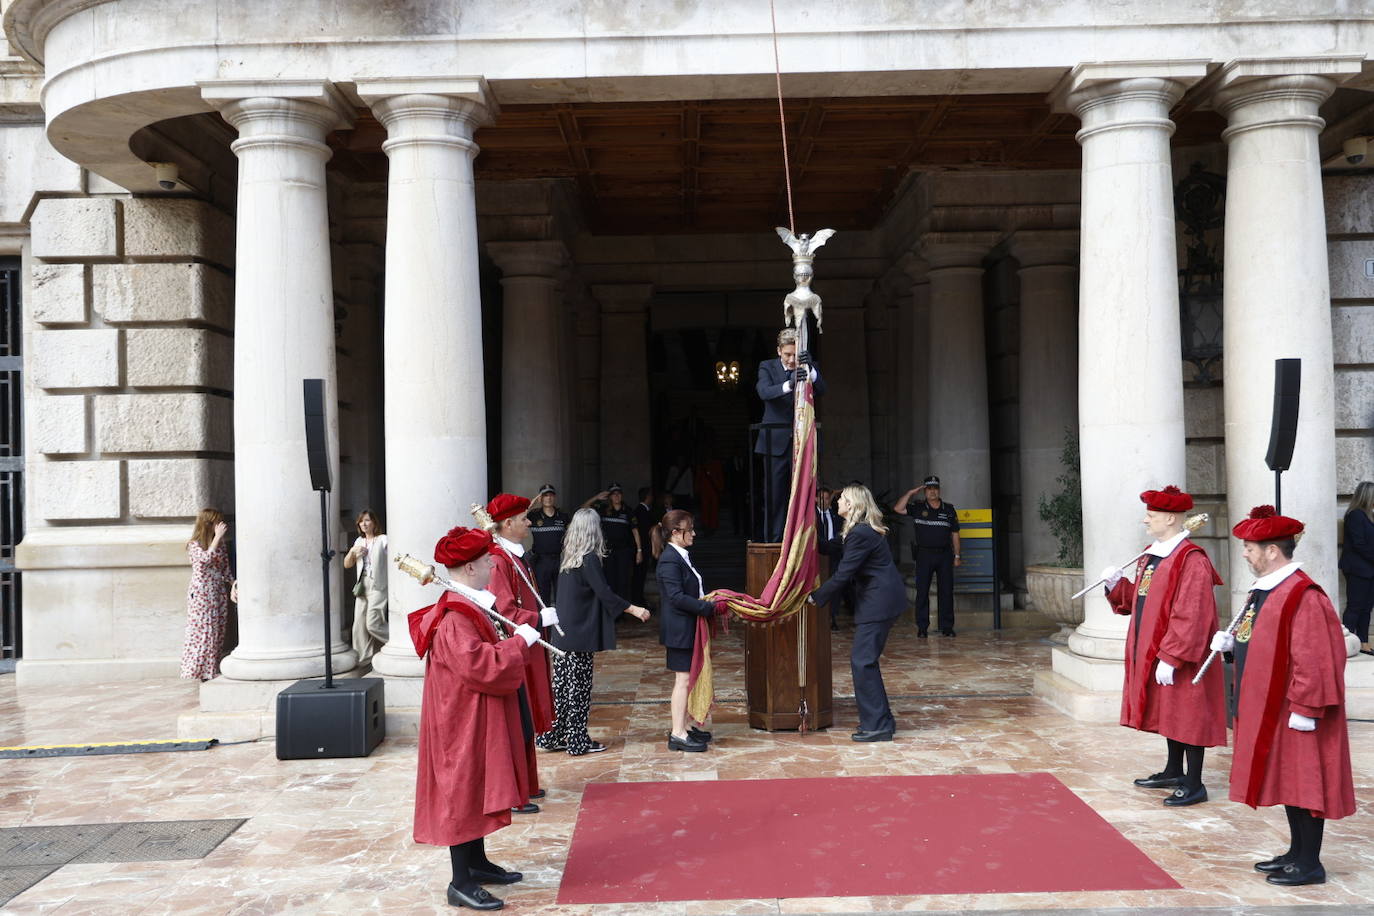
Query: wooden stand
{"points": [[770, 657]]}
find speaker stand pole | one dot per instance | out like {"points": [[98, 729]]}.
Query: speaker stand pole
{"points": [[1278, 491], [326, 557]]}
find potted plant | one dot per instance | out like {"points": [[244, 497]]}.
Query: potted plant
{"points": [[1051, 585]]}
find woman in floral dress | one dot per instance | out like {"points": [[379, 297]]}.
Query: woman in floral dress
{"points": [[207, 597]]}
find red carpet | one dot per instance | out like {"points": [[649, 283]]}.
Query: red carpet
{"points": [[872, 836]]}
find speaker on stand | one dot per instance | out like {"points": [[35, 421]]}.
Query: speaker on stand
{"points": [[325, 719], [1283, 428]]}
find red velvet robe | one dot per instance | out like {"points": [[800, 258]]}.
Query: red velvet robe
{"points": [[471, 768], [1295, 663], [519, 602], [1176, 625]]}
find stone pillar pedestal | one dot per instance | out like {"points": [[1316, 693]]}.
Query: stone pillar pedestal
{"points": [[956, 362], [625, 447], [1128, 344], [1276, 255], [436, 433], [535, 432], [284, 332]]}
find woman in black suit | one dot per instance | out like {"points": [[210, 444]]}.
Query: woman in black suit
{"points": [[1357, 562], [879, 600], [587, 611], [680, 592]]}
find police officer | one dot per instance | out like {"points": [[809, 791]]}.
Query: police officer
{"points": [[622, 537], [548, 524], [935, 549]]}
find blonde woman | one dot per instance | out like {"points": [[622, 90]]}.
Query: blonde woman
{"points": [[1357, 562], [879, 600], [207, 596], [587, 611], [368, 554]]}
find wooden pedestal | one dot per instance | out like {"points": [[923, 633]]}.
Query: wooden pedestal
{"points": [[770, 657]]}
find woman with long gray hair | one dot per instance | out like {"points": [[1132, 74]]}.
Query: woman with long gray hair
{"points": [[1357, 562], [587, 611]]}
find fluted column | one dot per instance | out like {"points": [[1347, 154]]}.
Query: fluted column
{"points": [[625, 447], [1048, 374], [436, 425], [956, 363], [283, 333], [535, 430], [1277, 300]]}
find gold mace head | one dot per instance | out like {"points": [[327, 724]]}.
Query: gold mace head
{"points": [[413, 567], [483, 517], [1194, 522]]}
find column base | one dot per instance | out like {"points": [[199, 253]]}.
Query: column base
{"points": [[49, 672], [1086, 689], [398, 665], [1359, 686], [291, 668]]}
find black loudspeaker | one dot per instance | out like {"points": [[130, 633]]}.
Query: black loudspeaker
{"points": [[1284, 429], [346, 720], [315, 451]]}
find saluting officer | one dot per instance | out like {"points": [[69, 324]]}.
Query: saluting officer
{"points": [[548, 525], [935, 548], [622, 537]]}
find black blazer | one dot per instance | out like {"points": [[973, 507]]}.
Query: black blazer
{"points": [[587, 609], [679, 606], [777, 406], [1357, 548], [834, 547], [867, 561]]}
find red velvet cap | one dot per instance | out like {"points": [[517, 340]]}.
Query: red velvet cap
{"points": [[1169, 499], [1264, 524], [461, 545], [506, 505]]}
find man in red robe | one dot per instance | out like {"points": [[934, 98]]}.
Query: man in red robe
{"points": [[1173, 611], [517, 599], [1291, 745], [471, 767]]}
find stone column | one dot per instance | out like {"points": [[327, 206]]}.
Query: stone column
{"points": [[956, 361], [625, 447], [1048, 374], [915, 331], [588, 397], [1277, 301], [436, 426], [283, 333], [535, 430]]}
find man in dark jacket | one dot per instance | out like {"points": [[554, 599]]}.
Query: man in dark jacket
{"points": [[777, 380]]}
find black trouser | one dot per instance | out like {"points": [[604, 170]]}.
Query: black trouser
{"points": [[779, 484], [619, 563], [1305, 838], [1359, 598], [937, 561], [546, 576], [869, 639]]}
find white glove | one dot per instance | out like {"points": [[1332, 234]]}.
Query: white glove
{"points": [[1110, 576], [1164, 674], [812, 376], [528, 633], [787, 387], [548, 617], [1222, 641], [1300, 723]]}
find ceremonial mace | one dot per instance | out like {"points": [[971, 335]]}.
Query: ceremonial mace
{"points": [[483, 518], [1193, 523], [426, 576]]}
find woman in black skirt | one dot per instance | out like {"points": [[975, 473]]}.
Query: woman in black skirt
{"points": [[587, 610], [680, 592]]}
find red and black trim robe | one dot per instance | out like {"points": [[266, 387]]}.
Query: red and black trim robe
{"points": [[518, 602]]}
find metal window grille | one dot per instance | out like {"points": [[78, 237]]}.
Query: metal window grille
{"points": [[11, 456]]}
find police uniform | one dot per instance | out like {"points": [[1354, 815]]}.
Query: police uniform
{"points": [[933, 551], [617, 527], [548, 532]]}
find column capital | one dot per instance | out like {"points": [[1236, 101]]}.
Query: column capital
{"points": [[1091, 83], [240, 100], [406, 104], [1044, 247], [916, 268], [623, 297], [1274, 92], [948, 250], [545, 259]]}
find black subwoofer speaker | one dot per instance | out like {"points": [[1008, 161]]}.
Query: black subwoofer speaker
{"points": [[346, 720]]}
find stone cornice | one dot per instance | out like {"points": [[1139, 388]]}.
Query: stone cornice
{"points": [[27, 22]]}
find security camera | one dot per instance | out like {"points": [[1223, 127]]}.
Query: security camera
{"points": [[166, 174], [1355, 149]]}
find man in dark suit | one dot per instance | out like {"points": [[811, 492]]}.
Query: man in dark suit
{"points": [[777, 380], [829, 544]]}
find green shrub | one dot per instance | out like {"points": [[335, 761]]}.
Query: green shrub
{"points": [[1063, 511]]}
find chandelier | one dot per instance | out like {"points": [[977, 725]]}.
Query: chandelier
{"points": [[727, 375]]}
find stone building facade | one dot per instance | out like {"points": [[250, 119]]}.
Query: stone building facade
{"points": [[1008, 267]]}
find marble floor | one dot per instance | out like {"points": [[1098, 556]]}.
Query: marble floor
{"points": [[333, 836]]}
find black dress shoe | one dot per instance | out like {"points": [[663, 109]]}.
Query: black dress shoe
{"points": [[551, 747], [1182, 796], [946, 632], [1293, 876], [697, 734], [494, 875], [691, 745], [540, 794], [921, 633], [595, 747], [475, 899], [1269, 866], [1159, 781], [527, 808], [862, 735]]}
